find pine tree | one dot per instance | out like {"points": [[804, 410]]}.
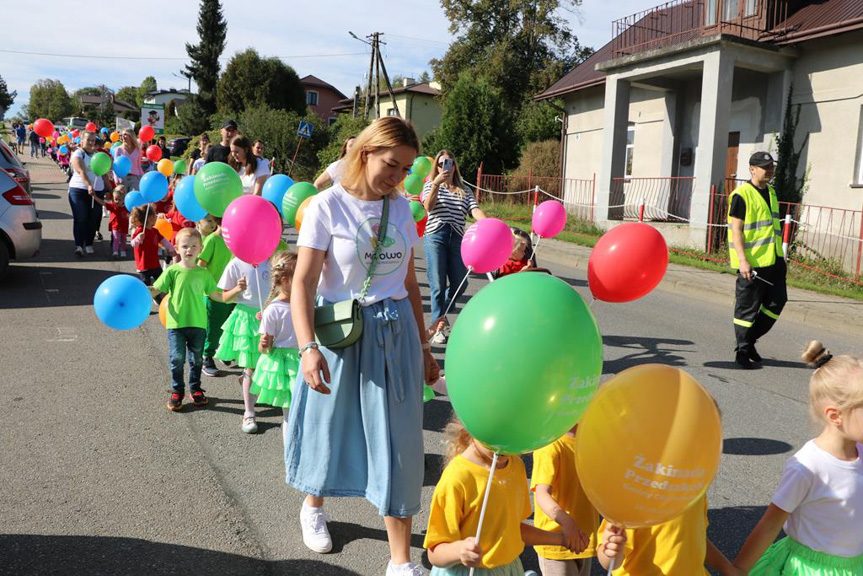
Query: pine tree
{"points": [[6, 97], [212, 31]]}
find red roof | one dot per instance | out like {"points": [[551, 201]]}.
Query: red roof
{"points": [[318, 83], [419, 88], [582, 76]]}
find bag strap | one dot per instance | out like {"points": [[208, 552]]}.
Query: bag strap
{"points": [[382, 234]]}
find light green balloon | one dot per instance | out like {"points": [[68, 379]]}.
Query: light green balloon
{"points": [[418, 210], [296, 195], [428, 393], [414, 184], [180, 167], [421, 167], [523, 361], [216, 186], [100, 164]]}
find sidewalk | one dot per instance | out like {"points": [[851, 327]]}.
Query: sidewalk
{"points": [[812, 308]]}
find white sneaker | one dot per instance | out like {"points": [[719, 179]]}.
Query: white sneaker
{"points": [[79, 251], [249, 425], [115, 255], [316, 536], [409, 569], [88, 249], [439, 337]]}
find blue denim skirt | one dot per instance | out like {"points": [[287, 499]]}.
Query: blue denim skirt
{"points": [[365, 438]]}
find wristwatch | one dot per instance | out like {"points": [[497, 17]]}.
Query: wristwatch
{"points": [[308, 346]]}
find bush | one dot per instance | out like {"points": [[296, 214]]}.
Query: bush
{"points": [[193, 118], [538, 159], [344, 127]]}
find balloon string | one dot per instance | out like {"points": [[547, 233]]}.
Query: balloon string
{"points": [[536, 246], [146, 217], [490, 277], [611, 566], [455, 294], [592, 301], [485, 499], [258, 282]]}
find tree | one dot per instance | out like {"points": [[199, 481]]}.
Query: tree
{"points": [[128, 94], [193, 117], [147, 85], [344, 127], [425, 77], [212, 31], [789, 188], [49, 99], [6, 98], [536, 123], [251, 81], [477, 126]]}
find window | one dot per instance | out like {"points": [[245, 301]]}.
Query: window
{"points": [[630, 148], [391, 112], [729, 11], [858, 164], [311, 98], [331, 120], [710, 12], [751, 7]]}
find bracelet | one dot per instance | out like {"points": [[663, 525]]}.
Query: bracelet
{"points": [[308, 346]]}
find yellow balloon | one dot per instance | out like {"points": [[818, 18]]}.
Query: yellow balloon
{"points": [[648, 445], [165, 167], [115, 136], [165, 229], [163, 311], [106, 145]]}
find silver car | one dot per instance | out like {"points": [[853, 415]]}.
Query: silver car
{"points": [[20, 227]]}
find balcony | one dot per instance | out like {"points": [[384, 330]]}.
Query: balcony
{"points": [[681, 21]]}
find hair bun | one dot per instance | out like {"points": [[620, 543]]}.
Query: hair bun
{"points": [[815, 354]]}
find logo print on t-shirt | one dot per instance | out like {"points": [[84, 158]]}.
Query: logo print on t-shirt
{"points": [[393, 251]]}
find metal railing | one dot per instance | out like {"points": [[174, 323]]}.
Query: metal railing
{"points": [[665, 199], [576, 194]]}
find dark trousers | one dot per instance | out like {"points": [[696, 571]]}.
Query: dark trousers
{"points": [[181, 340], [758, 304], [79, 200], [94, 217]]}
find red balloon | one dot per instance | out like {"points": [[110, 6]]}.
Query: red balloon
{"points": [[154, 153], [75, 133], [146, 133], [90, 126], [628, 262], [43, 127]]}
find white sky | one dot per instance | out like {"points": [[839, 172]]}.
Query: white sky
{"points": [[305, 34]]}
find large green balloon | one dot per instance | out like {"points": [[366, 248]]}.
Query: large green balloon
{"points": [[523, 361], [296, 195], [216, 186], [418, 211], [100, 164], [180, 167], [421, 167], [414, 184]]}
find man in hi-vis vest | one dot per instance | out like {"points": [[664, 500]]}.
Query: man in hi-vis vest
{"points": [[755, 248]]}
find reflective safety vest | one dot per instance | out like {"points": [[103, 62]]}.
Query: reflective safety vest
{"points": [[762, 231]]}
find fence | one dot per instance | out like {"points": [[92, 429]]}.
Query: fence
{"points": [[664, 199], [576, 194]]}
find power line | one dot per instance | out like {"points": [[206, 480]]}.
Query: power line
{"points": [[95, 56], [417, 39]]}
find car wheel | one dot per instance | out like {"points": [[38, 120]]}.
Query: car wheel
{"points": [[4, 258]]}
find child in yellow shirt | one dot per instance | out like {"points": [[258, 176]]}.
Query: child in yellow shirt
{"points": [[562, 506], [455, 510]]}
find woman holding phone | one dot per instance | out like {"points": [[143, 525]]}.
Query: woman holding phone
{"points": [[448, 204]]}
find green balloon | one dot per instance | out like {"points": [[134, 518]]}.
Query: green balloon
{"points": [[216, 186], [421, 167], [418, 210], [414, 184], [100, 164], [180, 167], [523, 361], [296, 195], [428, 393]]}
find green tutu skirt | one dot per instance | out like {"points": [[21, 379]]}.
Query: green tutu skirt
{"points": [[274, 374], [240, 337], [791, 558]]}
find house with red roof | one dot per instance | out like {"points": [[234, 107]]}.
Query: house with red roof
{"points": [[321, 97]]}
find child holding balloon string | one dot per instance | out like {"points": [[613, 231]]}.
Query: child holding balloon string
{"points": [[215, 258], [819, 501], [118, 222], [456, 508], [146, 241]]}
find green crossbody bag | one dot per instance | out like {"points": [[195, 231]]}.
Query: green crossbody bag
{"points": [[339, 325]]}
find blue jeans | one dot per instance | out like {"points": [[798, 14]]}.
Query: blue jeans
{"points": [[79, 200], [179, 340], [446, 270], [94, 218], [34, 149]]}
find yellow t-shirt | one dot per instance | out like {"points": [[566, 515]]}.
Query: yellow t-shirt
{"points": [[457, 501], [676, 547], [554, 465]]}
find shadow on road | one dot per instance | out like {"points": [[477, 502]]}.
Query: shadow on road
{"points": [[755, 446], [645, 351], [729, 527], [47, 286], [96, 555], [730, 365], [49, 215]]}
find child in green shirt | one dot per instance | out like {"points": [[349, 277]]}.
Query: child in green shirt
{"points": [[186, 283], [214, 258]]}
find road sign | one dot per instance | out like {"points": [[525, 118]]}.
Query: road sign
{"points": [[305, 130]]}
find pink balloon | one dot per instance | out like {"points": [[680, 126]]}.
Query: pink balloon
{"points": [[486, 245], [251, 228], [549, 219]]}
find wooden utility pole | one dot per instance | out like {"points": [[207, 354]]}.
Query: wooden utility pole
{"points": [[376, 66]]}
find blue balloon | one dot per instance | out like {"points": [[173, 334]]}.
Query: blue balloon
{"points": [[104, 131], [154, 186], [275, 187], [64, 149], [122, 302], [122, 166], [133, 199], [185, 201], [77, 139]]}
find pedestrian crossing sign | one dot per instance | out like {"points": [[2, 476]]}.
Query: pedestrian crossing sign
{"points": [[305, 130]]}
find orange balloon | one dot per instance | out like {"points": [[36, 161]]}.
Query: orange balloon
{"points": [[115, 136], [163, 311], [301, 211], [106, 145], [164, 227], [648, 445], [165, 167]]}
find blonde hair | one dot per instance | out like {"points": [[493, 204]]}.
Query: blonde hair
{"points": [[838, 380], [457, 185], [183, 232], [387, 132], [282, 269], [138, 213], [135, 144], [456, 438]]}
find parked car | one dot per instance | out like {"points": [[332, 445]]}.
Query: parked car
{"points": [[20, 227], [178, 145], [10, 163]]}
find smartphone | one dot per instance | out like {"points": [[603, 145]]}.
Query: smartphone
{"points": [[448, 164]]}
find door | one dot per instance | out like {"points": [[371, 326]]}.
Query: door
{"points": [[731, 160]]}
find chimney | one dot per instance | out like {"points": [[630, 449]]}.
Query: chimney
{"points": [[407, 82]]}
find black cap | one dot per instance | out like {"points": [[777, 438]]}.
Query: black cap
{"points": [[229, 124], [762, 159]]}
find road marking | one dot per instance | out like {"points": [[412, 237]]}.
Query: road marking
{"points": [[65, 335]]}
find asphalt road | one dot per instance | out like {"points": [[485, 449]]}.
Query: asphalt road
{"points": [[98, 478]]}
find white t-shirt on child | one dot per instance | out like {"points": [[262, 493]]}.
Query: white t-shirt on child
{"points": [[335, 170], [235, 270], [824, 496], [346, 228], [276, 320]]}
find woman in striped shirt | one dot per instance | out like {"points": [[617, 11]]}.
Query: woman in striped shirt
{"points": [[448, 204]]}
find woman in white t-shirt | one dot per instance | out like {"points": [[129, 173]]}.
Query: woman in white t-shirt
{"points": [[253, 171], [333, 172], [819, 501], [83, 186], [355, 423]]}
